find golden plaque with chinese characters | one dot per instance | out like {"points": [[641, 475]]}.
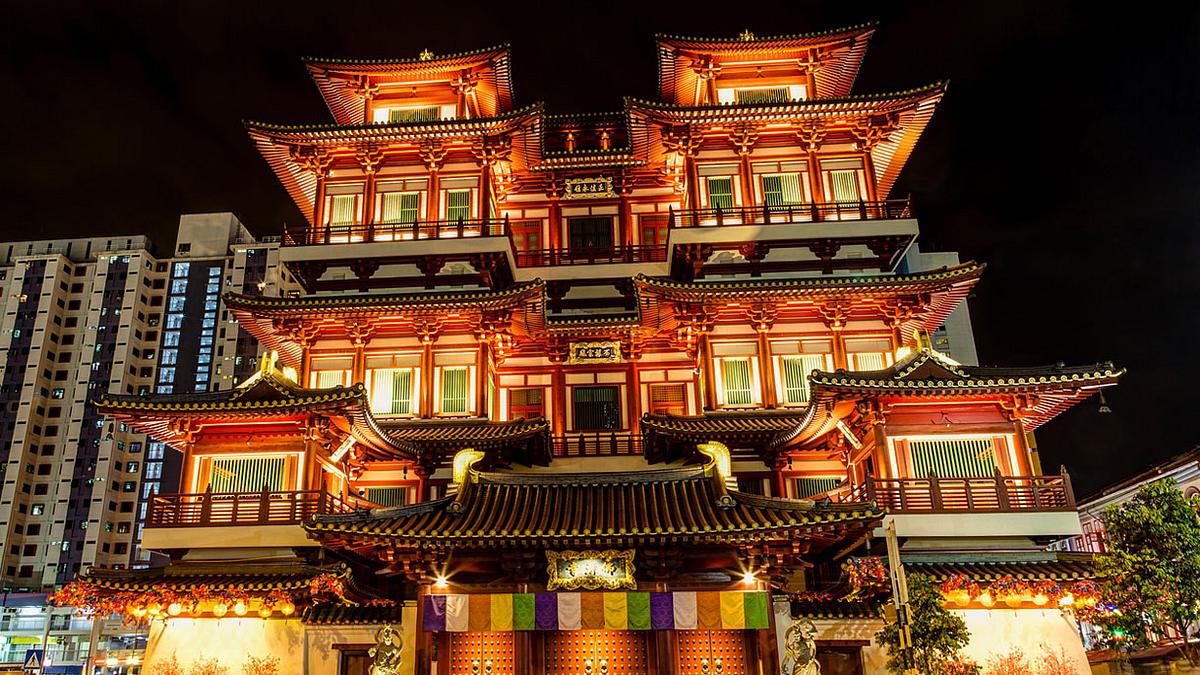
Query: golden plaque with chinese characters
{"points": [[590, 570]]}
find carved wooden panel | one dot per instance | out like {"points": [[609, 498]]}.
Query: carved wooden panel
{"points": [[712, 652], [481, 653], [596, 652]]}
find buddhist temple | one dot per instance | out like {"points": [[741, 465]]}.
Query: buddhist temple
{"points": [[645, 391]]}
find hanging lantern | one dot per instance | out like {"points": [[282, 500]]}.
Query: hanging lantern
{"points": [[1040, 599], [986, 599], [288, 608], [265, 612], [239, 608], [220, 609]]}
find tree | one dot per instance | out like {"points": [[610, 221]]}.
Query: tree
{"points": [[937, 633], [1151, 568]]}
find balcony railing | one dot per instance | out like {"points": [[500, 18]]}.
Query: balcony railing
{"points": [[591, 255], [409, 231], [951, 495], [791, 213], [269, 507], [594, 445]]}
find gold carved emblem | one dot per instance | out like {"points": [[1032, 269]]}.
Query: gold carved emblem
{"points": [[590, 570]]}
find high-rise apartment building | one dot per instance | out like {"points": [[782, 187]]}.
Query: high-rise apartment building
{"points": [[83, 317]]}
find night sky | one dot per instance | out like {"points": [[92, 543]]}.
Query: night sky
{"points": [[1064, 155]]}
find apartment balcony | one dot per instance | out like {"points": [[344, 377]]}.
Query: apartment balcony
{"points": [[232, 519], [818, 237], [362, 256], [985, 506]]}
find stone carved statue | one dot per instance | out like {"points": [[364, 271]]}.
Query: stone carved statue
{"points": [[386, 652], [800, 646]]}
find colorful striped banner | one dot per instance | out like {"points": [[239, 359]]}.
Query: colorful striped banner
{"points": [[680, 610]]}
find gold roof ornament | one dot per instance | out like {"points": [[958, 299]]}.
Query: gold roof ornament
{"points": [[425, 55], [747, 36]]}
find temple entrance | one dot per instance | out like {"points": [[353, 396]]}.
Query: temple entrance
{"points": [[481, 653], [712, 652], [596, 652]]}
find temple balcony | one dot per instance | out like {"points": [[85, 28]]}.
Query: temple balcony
{"points": [[976, 507], [597, 445], [362, 256], [269, 518], [816, 238]]}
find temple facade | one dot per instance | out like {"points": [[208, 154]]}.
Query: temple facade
{"points": [[644, 392]]}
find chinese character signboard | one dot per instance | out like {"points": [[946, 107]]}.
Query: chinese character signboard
{"points": [[591, 570], [594, 352], [589, 188]]}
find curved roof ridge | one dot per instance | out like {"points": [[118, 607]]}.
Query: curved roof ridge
{"points": [[738, 39], [268, 127], [333, 62], [938, 86]]}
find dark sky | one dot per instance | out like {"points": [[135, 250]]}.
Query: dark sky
{"points": [[1064, 155]]}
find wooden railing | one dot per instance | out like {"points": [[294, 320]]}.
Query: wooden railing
{"points": [[269, 507], [592, 445], [409, 231], [950, 495], [591, 255], [889, 209]]}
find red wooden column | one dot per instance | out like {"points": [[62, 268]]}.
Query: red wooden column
{"points": [[770, 396], [481, 380], [704, 360], [558, 389], [635, 396]]}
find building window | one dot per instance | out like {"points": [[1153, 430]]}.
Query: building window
{"points": [[591, 232], [246, 474], [795, 368], [803, 488], [596, 408], [458, 205], [525, 403], [844, 185], [409, 115], [763, 95], [343, 210], [953, 457], [737, 381], [720, 192], [388, 496], [455, 389], [668, 399], [868, 353], [783, 189], [400, 207], [527, 236], [331, 372], [392, 391], [654, 230], [844, 180]]}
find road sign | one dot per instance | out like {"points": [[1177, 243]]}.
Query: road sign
{"points": [[33, 661]]}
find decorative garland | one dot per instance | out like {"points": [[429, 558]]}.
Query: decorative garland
{"points": [[866, 575], [962, 590], [163, 602]]}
